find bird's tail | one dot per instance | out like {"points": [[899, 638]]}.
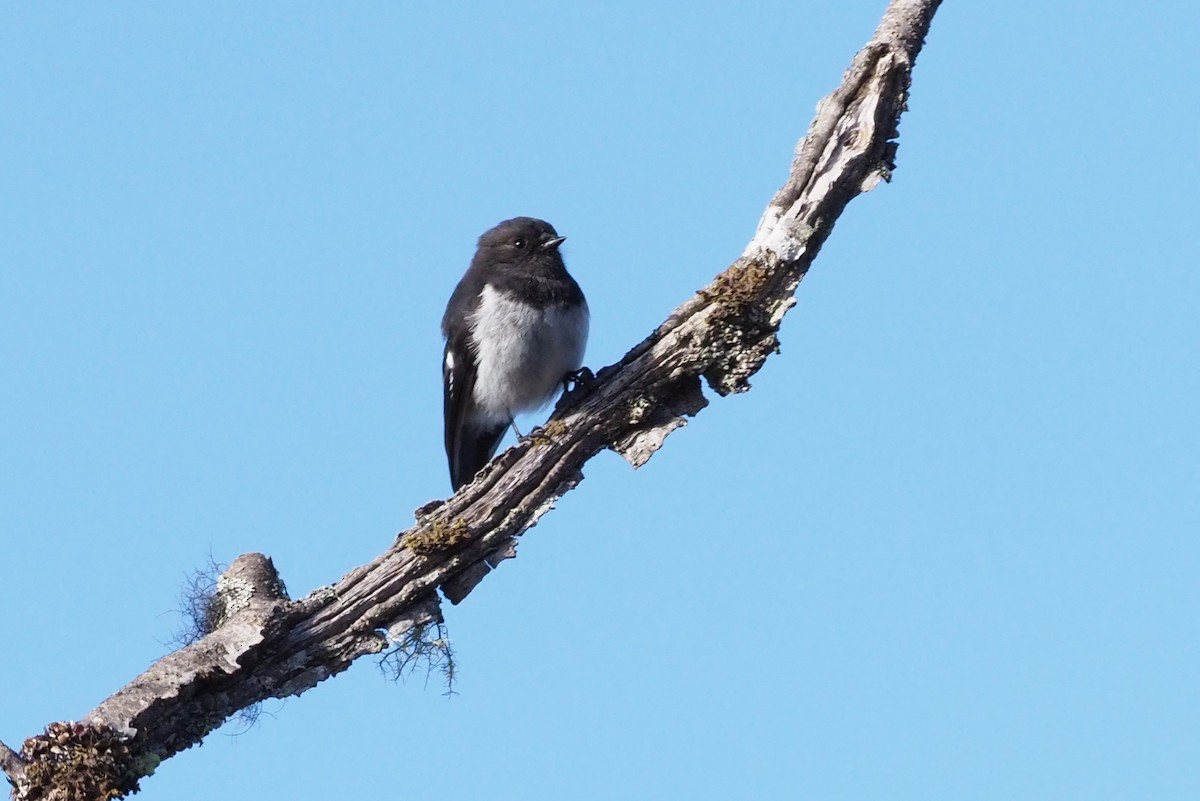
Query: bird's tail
{"points": [[472, 450]]}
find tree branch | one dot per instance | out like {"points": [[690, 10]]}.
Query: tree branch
{"points": [[267, 646], [11, 763]]}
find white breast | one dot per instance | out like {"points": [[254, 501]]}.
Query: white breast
{"points": [[523, 352]]}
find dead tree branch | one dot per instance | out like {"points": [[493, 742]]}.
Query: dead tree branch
{"points": [[267, 646], [11, 763]]}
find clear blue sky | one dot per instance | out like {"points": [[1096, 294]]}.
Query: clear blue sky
{"points": [[945, 548]]}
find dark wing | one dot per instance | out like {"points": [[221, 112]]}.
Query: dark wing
{"points": [[458, 384], [469, 444]]}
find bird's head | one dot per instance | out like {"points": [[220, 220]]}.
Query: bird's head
{"points": [[520, 241]]}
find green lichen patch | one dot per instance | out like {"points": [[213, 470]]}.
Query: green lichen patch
{"points": [[440, 536], [546, 434], [740, 286]]}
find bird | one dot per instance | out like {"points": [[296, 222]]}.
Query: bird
{"points": [[516, 327]]}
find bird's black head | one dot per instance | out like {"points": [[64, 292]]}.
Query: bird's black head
{"points": [[521, 241]]}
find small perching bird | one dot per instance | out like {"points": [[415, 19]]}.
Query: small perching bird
{"points": [[515, 328]]}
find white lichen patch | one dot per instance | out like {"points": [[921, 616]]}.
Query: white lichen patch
{"points": [[234, 593], [638, 410]]}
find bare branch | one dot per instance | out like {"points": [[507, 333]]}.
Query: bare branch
{"points": [[264, 645]]}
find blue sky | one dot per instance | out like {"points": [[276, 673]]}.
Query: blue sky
{"points": [[945, 548]]}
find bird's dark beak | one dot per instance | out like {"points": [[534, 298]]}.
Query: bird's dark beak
{"points": [[551, 244]]}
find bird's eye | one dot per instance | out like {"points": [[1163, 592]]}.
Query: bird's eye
{"points": [[519, 243]]}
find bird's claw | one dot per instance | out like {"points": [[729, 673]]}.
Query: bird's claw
{"points": [[583, 378]]}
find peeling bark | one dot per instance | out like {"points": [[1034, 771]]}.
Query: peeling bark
{"points": [[265, 645]]}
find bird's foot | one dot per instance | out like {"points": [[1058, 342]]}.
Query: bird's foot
{"points": [[583, 378], [545, 434], [575, 386]]}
